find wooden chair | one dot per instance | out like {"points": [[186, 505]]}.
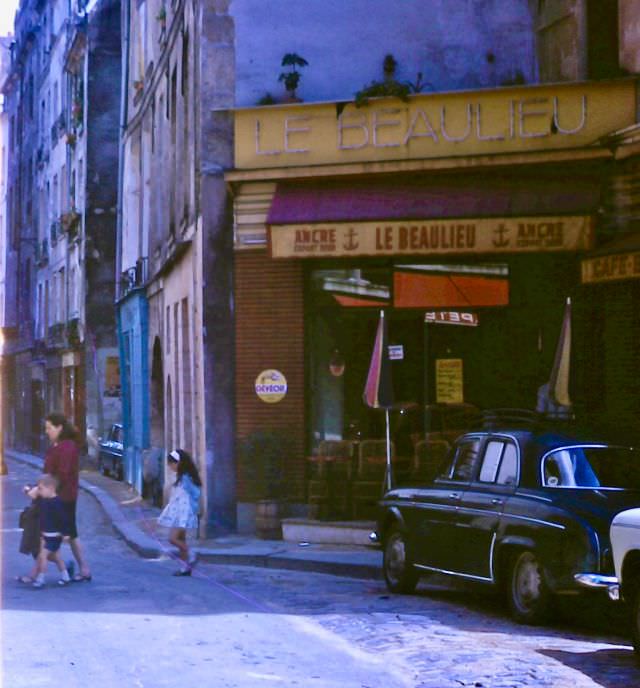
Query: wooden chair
{"points": [[368, 484], [329, 483], [429, 456]]}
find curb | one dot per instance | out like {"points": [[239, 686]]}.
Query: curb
{"points": [[149, 548]]}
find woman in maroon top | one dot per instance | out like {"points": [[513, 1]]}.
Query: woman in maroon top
{"points": [[62, 460]]}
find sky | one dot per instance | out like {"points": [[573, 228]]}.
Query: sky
{"points": [[7, 12]]}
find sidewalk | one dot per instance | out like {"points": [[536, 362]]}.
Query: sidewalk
{"points": [[135, 521]]}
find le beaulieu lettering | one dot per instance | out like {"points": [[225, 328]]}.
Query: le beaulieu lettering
{"points": [[526, 118], [457, 237], [460, 236]]}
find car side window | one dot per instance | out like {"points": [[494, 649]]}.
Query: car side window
{"points": [[465, 459], [491, 461], [508, 473]]}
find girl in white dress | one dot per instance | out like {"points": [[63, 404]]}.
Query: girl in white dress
{"points": [[181, 513]]}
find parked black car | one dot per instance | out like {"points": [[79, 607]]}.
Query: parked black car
{"points": [[111, 453], [527, 509]]}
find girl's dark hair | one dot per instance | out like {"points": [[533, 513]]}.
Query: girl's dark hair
{"points": [[68, 431], [186, 465]]}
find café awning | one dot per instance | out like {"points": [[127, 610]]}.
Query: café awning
{"points": [[546, 209], [492, 194]]}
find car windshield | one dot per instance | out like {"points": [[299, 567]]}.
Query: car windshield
{"points": [[594, 467]]}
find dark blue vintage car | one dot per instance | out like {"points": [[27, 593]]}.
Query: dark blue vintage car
{"points": [[528, 510], [111, 452]]}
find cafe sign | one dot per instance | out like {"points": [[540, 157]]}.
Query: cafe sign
{"points": [[611, 268], [430, 237], [449, 381], [489, 121], [462, 318]]}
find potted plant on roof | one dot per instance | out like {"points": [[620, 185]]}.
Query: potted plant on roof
{"points": [[291, 78], [389, 85], [262, 457]]}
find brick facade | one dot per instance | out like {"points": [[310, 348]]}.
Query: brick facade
{"points": [[269, 302]]}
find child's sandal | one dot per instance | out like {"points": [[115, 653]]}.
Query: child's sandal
{"points": [[27, 580]]}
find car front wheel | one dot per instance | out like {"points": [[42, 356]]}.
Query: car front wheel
{"points": [[635, 621], [528, 594], [399, 573], [102, 467]]}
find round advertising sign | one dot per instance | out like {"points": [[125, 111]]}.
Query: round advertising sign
{"points": [[271, 386]]}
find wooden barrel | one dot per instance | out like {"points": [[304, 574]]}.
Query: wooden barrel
{"points": [[268, 522]]}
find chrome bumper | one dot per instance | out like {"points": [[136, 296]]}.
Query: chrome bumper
{"points": [[597, 580]]}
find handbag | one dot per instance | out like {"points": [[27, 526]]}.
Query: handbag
{"points": [[25, 516], [29, 521]]}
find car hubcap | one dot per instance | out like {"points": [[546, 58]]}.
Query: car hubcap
{"points": [[395, 559], [528, 582]]}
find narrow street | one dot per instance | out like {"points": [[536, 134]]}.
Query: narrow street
{"points": [[136, 625]]}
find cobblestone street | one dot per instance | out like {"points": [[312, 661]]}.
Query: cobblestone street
{"points": [[243, 627], [447, 636]]}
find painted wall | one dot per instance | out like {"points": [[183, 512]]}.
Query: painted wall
{"points": [[133, 329], [456, 45]]}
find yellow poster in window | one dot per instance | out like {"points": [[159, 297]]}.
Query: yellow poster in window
{"points": [[449, 381]]}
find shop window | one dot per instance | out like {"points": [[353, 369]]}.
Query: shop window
{"points": [[417, 286], [345, 305], [353, 288]]}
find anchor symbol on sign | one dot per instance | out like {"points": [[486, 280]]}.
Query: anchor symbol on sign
{"points": [[502, 239], [351, 245]]}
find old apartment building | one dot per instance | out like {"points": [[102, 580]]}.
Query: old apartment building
{"points": [[62, 101]]}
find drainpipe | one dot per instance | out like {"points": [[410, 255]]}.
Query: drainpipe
{"points": [[124, 103]]}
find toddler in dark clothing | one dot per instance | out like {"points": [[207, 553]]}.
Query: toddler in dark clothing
{"points": [[53, 527]]}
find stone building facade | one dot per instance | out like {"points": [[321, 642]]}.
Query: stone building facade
{"points": [[189, 65], [7, 282], [62, 96]]}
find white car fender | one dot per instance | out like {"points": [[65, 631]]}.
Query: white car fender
{"points": [[625, 537]]}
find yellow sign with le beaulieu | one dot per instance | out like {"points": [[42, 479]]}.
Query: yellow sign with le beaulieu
{"points": [[482, 235], [504, 120]]}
